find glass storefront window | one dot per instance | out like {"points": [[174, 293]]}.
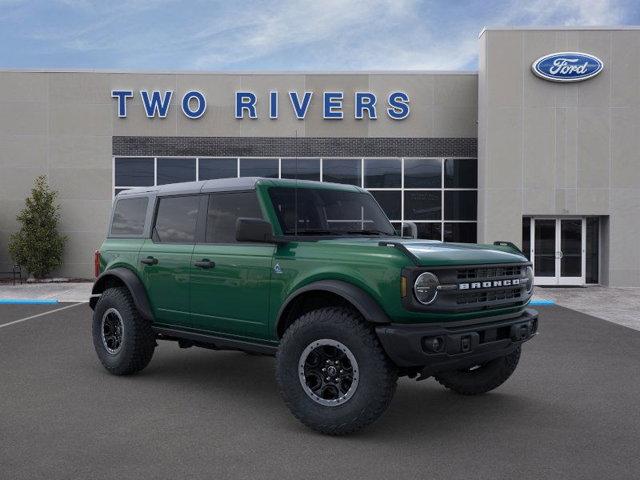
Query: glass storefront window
{"points": [[460, 173], [341, 170], [593, 248], [430, 231], [134, 172], [175, 170], [526, 237], [301, 168], [441, 211], [382, 173], [423, 205], [460, 232], [390, 201], [422, 173], [211, 168], [460, 205], [259, 167]]}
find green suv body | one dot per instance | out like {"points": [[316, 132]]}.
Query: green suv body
{"points": [[315, 274]]}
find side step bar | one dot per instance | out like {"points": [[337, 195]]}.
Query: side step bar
{"points": [[215, 342]]}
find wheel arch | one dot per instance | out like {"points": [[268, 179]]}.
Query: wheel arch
{"points": [[326, 293], [123, 277]]}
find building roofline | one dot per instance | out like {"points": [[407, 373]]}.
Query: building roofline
{"points": [[237, 72], [561, 27]]}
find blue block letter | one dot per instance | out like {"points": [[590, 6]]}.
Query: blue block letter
{"points": [[365, 101], [201, 101], [273, 105], [332, 105], [122, 96], [300, 108], [246, 101], [156, 104], [398, 105]]}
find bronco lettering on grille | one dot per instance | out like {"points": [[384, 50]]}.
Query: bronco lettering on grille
{"points": [[489, 284]]}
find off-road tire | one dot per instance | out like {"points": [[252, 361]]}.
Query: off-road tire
{"points": [[482, 379], [377, 375], [138, 340]]}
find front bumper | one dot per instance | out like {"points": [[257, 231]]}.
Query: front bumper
{"points": [[456, 345]]}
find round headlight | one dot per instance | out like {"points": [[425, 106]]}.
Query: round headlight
{"points": [[529, 274], [426, 288]]}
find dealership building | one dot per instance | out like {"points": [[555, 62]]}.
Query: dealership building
{"points": [[540, 146]]}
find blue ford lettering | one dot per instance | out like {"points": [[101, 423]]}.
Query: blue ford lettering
{"points": [[247, 104], [200, 101], [567, 66], [300, 107], [246, 101], [156, 105], [332, 106]]}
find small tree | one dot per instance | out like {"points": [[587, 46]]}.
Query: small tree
{"points": [[38, 246]]}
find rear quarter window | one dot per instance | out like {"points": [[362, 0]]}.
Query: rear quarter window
{"points": [[128, 216]]}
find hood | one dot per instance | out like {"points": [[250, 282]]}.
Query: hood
{"points": [[438, 253], [434, 253]]}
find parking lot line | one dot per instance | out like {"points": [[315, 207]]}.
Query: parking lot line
{"points": [[41, 314]]}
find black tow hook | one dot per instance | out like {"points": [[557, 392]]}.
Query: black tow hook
{"points": [[520, 332]]}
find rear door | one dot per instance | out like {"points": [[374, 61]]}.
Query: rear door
{"points": [[230, 281], [165, 258]]}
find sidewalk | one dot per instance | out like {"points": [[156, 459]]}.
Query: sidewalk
{"points": [[615, 304], [62, 292]]}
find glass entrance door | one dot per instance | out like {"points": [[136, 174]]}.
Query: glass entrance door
{"points": [[558, 250]]}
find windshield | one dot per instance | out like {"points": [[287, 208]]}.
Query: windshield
{"points": [[318, 211]]}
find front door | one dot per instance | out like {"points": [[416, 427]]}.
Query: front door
{"points": [[230, 281], [558, 250]]}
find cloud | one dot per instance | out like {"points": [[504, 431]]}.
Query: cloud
{"points": [[383, 35], [281, 34], [568, 12]]}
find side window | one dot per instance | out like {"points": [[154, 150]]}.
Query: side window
{"points": [[224, 210], [176, 219], [129, 215]]}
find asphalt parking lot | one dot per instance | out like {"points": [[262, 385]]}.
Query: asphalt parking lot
{"points": [[571, 410]]}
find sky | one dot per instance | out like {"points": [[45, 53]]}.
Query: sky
{"points": [[278, 35]]}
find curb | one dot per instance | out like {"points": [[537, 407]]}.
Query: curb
{"points": [[27, 301], [539, 303]]}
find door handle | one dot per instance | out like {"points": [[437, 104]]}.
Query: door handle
{"points": [[149, 260], [204, 263]]}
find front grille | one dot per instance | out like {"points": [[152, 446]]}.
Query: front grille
{"points": [[474, 288], [489, 296], [484, 273]]}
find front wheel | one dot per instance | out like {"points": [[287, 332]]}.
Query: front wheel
{"points": [[332, 372], [480, 378]]}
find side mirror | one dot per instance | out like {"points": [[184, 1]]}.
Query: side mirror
{"points": [[253, 230], [409, 229]]}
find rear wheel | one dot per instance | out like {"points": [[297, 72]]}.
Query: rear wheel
{"points": [[332, 372], [480, 378], [122, 339]]}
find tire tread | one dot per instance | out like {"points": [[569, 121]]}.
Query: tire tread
{"points": [[142, 338], [349, 321]]}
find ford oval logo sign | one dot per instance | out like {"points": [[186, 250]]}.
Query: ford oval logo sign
{"points": [[567, 66]]}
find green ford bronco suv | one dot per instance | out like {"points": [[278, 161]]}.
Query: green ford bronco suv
{"points": [[315, 274]]}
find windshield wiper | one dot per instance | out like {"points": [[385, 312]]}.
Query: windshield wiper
{"points": [[317, 232], [369, 232], [340, 232]]}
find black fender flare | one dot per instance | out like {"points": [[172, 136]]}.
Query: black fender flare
{"points": [[133, 284], [361, 300]]}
